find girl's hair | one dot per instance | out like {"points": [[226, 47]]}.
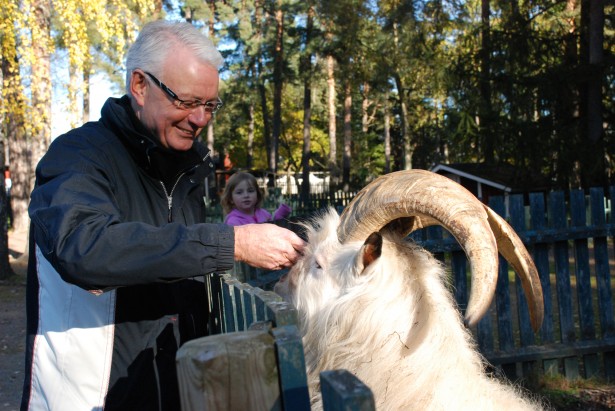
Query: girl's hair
{"points": [[232, 183]]}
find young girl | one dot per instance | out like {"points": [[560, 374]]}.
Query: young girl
{"points": [[242, 201]]}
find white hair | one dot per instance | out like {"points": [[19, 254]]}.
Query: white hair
{"points": [[159, 38]]}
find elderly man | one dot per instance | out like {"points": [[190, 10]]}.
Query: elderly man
{"points": [[118, 247]]}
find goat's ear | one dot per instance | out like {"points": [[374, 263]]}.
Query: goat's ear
{"points": [[370, 251]]}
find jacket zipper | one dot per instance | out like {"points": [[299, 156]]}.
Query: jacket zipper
{"points": [[170, 195]]}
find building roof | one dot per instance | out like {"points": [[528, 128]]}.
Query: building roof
{"points": [[504, 177]]}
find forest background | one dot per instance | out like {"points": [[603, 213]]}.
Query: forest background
{"points": [[352, 88]]}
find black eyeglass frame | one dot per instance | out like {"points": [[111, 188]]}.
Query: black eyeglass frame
{"points": [[209, 106]]}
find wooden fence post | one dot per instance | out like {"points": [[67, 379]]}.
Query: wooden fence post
{"points": [[562, 282], [342, 391], [234, 371], [603, 276]]}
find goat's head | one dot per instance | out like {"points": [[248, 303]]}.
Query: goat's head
{"points": [[341, 249]]}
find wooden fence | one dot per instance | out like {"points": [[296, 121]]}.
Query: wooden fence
{"points": [[570, 236], [255, 358], [315, 203]]}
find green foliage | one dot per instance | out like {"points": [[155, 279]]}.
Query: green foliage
{"points": [[525, 95]]}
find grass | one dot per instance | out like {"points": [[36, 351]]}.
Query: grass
{"points": [[564, 394]]}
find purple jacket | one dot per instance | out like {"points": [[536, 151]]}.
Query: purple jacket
{"points": [[236, 217]]}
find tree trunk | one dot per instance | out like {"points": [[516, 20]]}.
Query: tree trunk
{"points": [[5, 267], [596, 60], [262, 91], [210, 126], [87, 68], [26, 152], [331, 99], [260, 80], [347, 135], [405, 128], [387, 135], [250, 148], [595, 163], [278, 82], [12, 121], [365, 108], [485, 116], [566, 116], [307, 108]]}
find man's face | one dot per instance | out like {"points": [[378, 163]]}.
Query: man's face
{"points": [[189, 79]]}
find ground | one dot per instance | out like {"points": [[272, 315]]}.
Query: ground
{"points": [[582, 396], [13, 327]]}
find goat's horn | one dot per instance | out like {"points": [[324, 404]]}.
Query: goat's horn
{"points": [[419, 198], [513, 250]]}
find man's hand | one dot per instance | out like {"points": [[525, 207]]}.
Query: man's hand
{"points": [[267, 246]]}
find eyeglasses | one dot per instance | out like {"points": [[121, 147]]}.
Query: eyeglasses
{"points": [[209, 106]]}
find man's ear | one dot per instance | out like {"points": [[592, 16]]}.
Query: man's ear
{"points": [[138, 87]]}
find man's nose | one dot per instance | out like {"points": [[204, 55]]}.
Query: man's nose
{"points": [[199, 117]]}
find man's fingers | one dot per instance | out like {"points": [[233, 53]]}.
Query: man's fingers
{"points": [[282, 249]]}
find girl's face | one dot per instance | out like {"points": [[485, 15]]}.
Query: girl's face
{"points": [[245, 197]]}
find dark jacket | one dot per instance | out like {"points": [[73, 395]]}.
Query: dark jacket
{"points": [[117, 254]]}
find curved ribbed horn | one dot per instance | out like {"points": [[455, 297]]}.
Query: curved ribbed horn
{"points": [[512, 249], [418, 198]]}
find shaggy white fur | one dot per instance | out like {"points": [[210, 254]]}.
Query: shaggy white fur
{"points": [[392, 323]]}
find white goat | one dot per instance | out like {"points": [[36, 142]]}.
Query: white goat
{"points": [[377, 305]]}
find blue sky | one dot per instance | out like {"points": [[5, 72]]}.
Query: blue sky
{"points": [[100, 89]]}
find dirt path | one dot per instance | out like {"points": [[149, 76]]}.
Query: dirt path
{"points": [[13, 327]]}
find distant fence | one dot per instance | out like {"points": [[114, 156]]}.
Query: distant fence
{"points": [[577, 338], [300, 207]]}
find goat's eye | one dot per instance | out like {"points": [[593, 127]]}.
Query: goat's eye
{"points": [[317, 265]]}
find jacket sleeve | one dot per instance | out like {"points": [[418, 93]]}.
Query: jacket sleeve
{"points": [[84, 233], [283, 211]]}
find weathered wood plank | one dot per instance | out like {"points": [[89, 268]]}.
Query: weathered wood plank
{"points": [[238, 290], [213, 288], [248, 305], [484, 332], [526, 333], [281, 313], [552, 351], [234, 371], [584, 289], [229, 309], [541, 259], [459, 263], [603, 276], [342, 391], [502, 300], [530, 237], [502, 292], [562, 281], [517, 222], [260, 303], [434, 233], [291, 367]]}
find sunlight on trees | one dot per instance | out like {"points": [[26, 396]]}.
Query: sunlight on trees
{"points": [[424, 82]]}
